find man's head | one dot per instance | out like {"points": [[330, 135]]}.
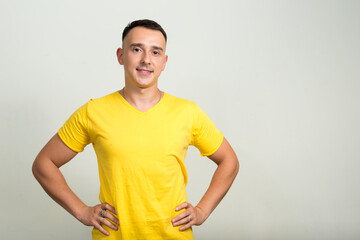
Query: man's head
{"points": [[143, 53], [146, 23]]}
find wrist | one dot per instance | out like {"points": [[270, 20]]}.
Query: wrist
{"points": [[79, 213], [203, 212]]}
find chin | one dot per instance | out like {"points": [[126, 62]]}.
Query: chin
{"points": [[145, 84]]}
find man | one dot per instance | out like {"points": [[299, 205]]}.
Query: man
{"points": [[140, 135]]}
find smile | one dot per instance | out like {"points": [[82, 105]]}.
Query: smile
{"points": [[144, 71]]}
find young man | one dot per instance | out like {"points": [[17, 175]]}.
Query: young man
{"points": [[140, 135]]}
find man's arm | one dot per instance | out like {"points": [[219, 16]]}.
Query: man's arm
{"points": [[46, 170], [228, 167]]}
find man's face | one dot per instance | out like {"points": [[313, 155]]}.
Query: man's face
{"points": [[143, 56]]}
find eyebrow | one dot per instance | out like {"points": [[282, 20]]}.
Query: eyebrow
{"points": [[142, 46]]}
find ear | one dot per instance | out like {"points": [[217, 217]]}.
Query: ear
{"points": [[120, 55], [164, 65]]}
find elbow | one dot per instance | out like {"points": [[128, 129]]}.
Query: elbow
{"points": [[237, 166], [35, 168], [39, 168], [232, 165]]}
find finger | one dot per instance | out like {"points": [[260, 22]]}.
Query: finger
{"points": [[107, 206], [101, 229], [182, 206], [111, 217], [107, 223], [183, 228], [182, 221], [181, 216]]}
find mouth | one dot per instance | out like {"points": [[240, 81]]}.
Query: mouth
{"points": [[144, 71]]}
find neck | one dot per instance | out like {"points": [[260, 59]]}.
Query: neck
{"points": [[141, 98]]}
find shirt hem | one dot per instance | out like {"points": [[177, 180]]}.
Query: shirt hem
{"points": [[216, 148], [67, 144]]}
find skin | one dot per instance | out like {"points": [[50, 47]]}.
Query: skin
{"points": [[46, 170], [224, 175], [143, 57], [143, 49]]}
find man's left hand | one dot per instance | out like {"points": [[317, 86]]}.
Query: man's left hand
{"points": [[191, 216]]}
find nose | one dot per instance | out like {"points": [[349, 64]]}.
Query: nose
{"points": [[145, 58]]}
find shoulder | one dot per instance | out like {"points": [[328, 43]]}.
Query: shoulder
{"points": [[105, 101], [180, 102]]}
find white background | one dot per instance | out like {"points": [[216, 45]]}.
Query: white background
{"points": [[280, 79]]}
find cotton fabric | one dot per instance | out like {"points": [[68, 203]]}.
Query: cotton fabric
{"points": [[141, 159]]}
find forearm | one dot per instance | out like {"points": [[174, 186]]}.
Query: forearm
{"points": [[52, 180], [219, 185]]}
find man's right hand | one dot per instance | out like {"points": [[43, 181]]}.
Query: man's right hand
{"points": [[46, 170], [100, 215]]}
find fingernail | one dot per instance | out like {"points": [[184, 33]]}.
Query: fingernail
{"points": [[176, 209]]}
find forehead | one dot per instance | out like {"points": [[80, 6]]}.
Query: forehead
{"points": [[145, 36]]}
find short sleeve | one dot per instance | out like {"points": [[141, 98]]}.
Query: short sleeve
{"points": [[205, 136], [74, 133]]}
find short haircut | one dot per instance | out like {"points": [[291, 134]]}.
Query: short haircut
{"points": [[146, 23]]}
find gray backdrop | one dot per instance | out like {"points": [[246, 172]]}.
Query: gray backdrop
{"points": [[279, 78]]}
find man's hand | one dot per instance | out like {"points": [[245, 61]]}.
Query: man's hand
{"points": [[191, 216], [98, 215]]}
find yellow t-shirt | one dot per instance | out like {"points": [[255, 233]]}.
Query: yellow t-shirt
{"points": [[141, 159]]}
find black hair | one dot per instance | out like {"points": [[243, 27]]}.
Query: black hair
{"points": [[146, 23]]}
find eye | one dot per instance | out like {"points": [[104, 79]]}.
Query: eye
{"points": [[156, 53], [136, 49]]}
